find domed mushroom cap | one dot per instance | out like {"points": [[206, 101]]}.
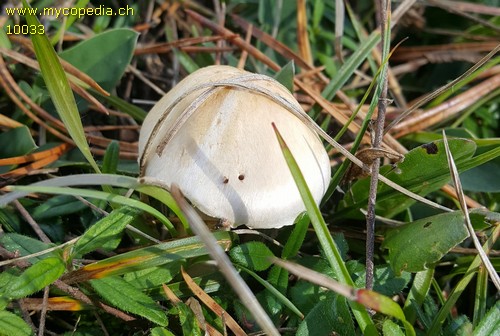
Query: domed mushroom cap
{"points": [[212, 136]]}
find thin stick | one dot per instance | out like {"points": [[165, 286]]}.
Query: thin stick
{"points": [[385, 8], [224, 264], [460, 193], [43, 314], [31, 221]]}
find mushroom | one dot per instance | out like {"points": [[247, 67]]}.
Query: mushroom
{"points": [[212, 136]]}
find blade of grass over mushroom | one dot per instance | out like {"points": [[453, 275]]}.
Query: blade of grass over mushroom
{"points": [[59, 89], [112, 198], [227, 269], [367, 298], [458, 187], [325, 238]]}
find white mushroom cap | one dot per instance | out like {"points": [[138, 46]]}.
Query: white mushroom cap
{"points": [[212, 136]]}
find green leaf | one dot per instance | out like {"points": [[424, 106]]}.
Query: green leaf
{"points": [[104, 233], [459, 326], [384, 305], [9, 220], [274, 302], [330, 316], [57, 206], [154, 276], [25, 245], [188, 320], [111, 158], [159, 331], [305, 294], [415, 246], [278, 277], [385, 281], [11, 324], [253, 255], [59, 89], [296, 239], [6, 278], [485, 178], [105, 56], [4, 40], [424, 169], [390, 328], [418, 292], [285, 75], [490, 324], [36, 277], [126, 297], [19, 140], [134, 111]]}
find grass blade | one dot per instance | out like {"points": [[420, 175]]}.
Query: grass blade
{"points": [[460, 193], [326, 240], [112, 198], [59, 89], [419, 290]]}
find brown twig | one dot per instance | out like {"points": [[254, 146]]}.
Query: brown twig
{"points": [[43, 313], [34, 225], [385, 10]]}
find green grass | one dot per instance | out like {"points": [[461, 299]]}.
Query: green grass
{"points": [[81, 224]]}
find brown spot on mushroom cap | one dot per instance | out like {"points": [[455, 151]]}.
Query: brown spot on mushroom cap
{"points": [[430, 148], [241, 177]]}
